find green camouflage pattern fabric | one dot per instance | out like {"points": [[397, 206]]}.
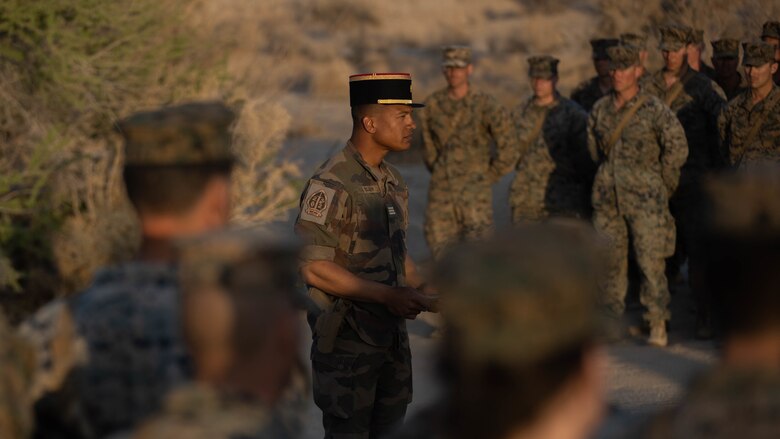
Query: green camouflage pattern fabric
{"points": [[554, 170], [771, 29], [17, 372], [587, 93], [637, 40], [199, 412], [725, 48], [757, 53], [356, 216], [190, 134], [599, 47], [631, 192], [623, 57], [121, 352], [521, 296], [724, 403], [455, 56], [542, 67], [698, 107], [674, 37], [736, 122], [457, 137]]}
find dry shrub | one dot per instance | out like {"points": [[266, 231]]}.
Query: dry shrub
{"points": [[261, 191]]}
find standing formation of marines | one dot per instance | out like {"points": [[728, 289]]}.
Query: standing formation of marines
{"points": [[198, 335]]}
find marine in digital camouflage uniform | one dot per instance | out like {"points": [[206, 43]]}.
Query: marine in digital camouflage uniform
{"points": [[697, 101], [695, 50], [242, 328], [725, 59], [353, 219], [750, 126], [587, 93], [458, 125], [770, 33], [522, 326], [17, 370], [107, 355], [637, 173], [554, 169]]}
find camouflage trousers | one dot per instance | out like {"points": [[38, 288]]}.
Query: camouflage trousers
{"points": [[568, 201], [649, 231], [362, 390], [452, 217]]}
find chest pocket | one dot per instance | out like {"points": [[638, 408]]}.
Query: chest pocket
{"points": [[371, 231]]}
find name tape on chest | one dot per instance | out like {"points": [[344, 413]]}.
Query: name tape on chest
{"points": [[317, 203]]}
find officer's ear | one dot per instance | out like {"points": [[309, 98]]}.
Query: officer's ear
{"points": [[470, 69], [368, 123], [774, 68]]}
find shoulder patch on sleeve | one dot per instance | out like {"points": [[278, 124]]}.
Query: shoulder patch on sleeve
{"points": [[317, 203]]}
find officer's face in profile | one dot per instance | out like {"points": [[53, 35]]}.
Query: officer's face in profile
{"points": [[457, 76], [725, 67], [625, 79], [759, 76], [675, 59], [393, 126]]}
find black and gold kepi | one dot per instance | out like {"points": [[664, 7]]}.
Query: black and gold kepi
{"points": [[381, 88]]}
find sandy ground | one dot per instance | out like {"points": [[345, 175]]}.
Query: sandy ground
{"points": [[641, 379]]}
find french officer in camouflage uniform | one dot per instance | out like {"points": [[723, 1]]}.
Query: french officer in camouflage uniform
{"points": [[554, 169], [520, 356], [458, 126], [725, 59], [242, 328], [640, 147], [750, 126], [694, 50], [770, 33], [108, 355], [590, 91], [353, 218]]}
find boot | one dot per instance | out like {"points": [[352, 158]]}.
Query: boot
{"points": [[658, 334]]}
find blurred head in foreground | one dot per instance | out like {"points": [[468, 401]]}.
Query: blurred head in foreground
{"points": [[239, 311], [520, 353], [177, 168], [742, 265]]}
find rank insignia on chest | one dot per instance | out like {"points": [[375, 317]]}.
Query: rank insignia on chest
{"points": [[317, 202]]}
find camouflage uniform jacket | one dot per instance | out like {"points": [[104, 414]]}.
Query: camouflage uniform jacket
{"points": [[642, 169], [555, 170], [356, 216], [197, 411], [587, 93], [122, 348], [457, 136], [698, 107], [736, 122]]}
